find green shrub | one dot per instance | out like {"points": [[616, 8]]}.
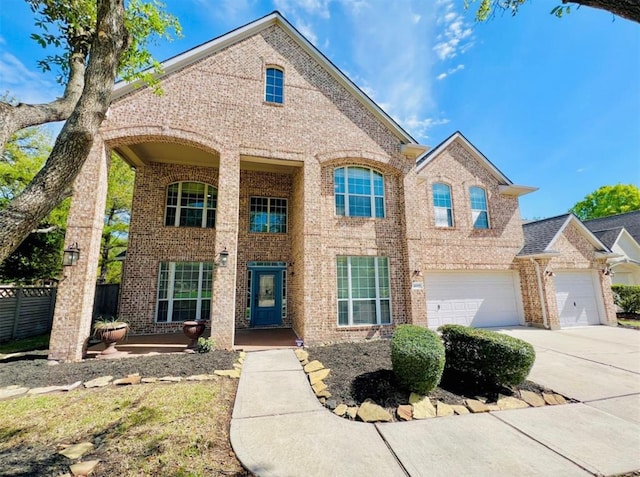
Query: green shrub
{"points": [[485, 358], [205, 345], [417, 356], [627, 297]]}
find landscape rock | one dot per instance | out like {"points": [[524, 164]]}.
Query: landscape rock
{"points": [[415, 397], [371, 412], [237, 365], [550, 399], [322, 400], [531, 398], [304, 362], [482, 399], [560, 399], [423, 409], [331, 404], [319, 387], [405, 412], [510, 402], [340, 410], [476, 406], [230, 373], [314, 365], [171, 379], [98, 382], [200, 377], [443, 409], [352, 411], [149, 380], [301, 354], [493, 407], [319, 375], [12, 391], [76, 451], [129, 380], [459, 409], [324, 394], [51, 389], [84, 468]]}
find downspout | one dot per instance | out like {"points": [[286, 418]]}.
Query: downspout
{"points": [[540, 293]]}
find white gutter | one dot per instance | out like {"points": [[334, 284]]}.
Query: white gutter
{"points": [[543, 303]]}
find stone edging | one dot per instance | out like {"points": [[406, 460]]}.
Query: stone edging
{"points": [[132, 379], [419, 407]]}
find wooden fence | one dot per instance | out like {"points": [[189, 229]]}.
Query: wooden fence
{"points": [[28, 311]]}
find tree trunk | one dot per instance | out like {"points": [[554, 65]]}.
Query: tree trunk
{"points": [[629, 9], [52, 184]]}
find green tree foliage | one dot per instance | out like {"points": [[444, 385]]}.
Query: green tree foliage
{"points": [[629, 9], [608, 200], [116, 220]]}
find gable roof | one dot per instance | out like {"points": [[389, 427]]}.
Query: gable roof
{"points": [[541, 235], [630, 221], [507, 187], [608, 237], [250, 29]]}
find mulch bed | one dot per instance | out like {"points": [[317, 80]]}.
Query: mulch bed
{"points": [[361, 371], [33, 370]]}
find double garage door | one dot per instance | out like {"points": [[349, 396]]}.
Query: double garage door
{"points": [[578, 298], [479, 299]]}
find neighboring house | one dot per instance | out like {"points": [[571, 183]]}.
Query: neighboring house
{"points": [[621, 233], [331, 219]]}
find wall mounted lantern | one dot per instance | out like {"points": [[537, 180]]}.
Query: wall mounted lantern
{"points": [[71, 255], [222, 258]]}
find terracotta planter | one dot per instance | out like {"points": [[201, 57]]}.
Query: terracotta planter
{"points": [[193, 330], [110, 336]]}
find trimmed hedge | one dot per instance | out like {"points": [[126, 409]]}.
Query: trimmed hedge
{"points": [[485, 358], [417, 356], [627, 297]]}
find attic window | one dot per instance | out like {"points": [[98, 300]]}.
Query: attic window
{"points": [[274, 86]]}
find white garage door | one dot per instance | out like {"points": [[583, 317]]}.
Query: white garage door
{"points": [[577, 297], [479, 299]]}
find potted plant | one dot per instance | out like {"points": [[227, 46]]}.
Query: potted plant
{"points": [[109, 330], [193, 330]]}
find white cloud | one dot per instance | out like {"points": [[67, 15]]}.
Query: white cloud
{"points": [[456, 36], [318, 8], [307, 31], [449, 72], [420, 127], [24, 84]]}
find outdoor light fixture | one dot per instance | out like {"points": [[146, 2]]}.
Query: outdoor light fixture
{"points": [[607, 271], [549, 273], [223, 257], [417, 274], [71, 255]]}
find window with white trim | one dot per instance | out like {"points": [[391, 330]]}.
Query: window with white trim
{"points": [[274, 85], [443, 210], [268, 215], [479, 211], [359, 192], [184, 291], [364, 294], [191, 204]]}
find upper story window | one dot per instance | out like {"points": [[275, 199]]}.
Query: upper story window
{"points": [[443, 211], [268, 215], [359, 192], [191, 204], [274, 86], [479, 211]]}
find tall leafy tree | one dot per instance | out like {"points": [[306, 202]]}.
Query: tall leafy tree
{"points": [[629, 9], [608, 200], [92, 41]]}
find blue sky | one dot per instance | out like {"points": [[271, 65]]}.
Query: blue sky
{"points": [[553, 103]]}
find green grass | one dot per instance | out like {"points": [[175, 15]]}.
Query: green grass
{"points": [[27, 344], [143, 430], [633, 323]]}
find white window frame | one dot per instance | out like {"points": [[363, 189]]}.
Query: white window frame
{"points": [[475, 212], [170, 299], [378, 299], [179, 207], [372, 197], [269, 199], [449, 210]]}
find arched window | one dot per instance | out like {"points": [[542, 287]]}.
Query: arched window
{"points": [[479, 211], [359, 192], [191, 204], [274, 86], [443, 210]]}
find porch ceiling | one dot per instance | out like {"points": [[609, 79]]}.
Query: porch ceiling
{"points": [[265, 164], [166, 152]]}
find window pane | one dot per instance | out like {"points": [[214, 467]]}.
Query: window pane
{"points": [[343, 313], [480, 219], [379, 207], [184, 310], [274, 85], [385, 311], [478, 198], [191, 217], [205, 310], [171, 216], [378, 183], [338, 180], [172, 194], [343, 283], [212, 197], [211, 219], [340, 209], [163, 310], [443, 217], [192, 194], [359, 180], [383, 277], [479, 214], [441, 195], [364, 312], [359, 206]]}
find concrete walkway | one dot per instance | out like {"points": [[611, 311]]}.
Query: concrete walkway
{"points": [[279, 428]]}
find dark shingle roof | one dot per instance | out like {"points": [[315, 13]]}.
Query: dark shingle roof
{"points": [[630, 221], [539, 234], [608, 237]]}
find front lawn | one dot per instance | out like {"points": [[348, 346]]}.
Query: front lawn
{"points": [[28, 344]]}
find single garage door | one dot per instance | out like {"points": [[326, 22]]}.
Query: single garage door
{"points": [[479, 299], [578, 298]]}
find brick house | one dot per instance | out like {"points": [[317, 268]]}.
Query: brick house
{"points": [[331, 218]]}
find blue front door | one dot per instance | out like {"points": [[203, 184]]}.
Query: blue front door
{"points": [[266, 307]]}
